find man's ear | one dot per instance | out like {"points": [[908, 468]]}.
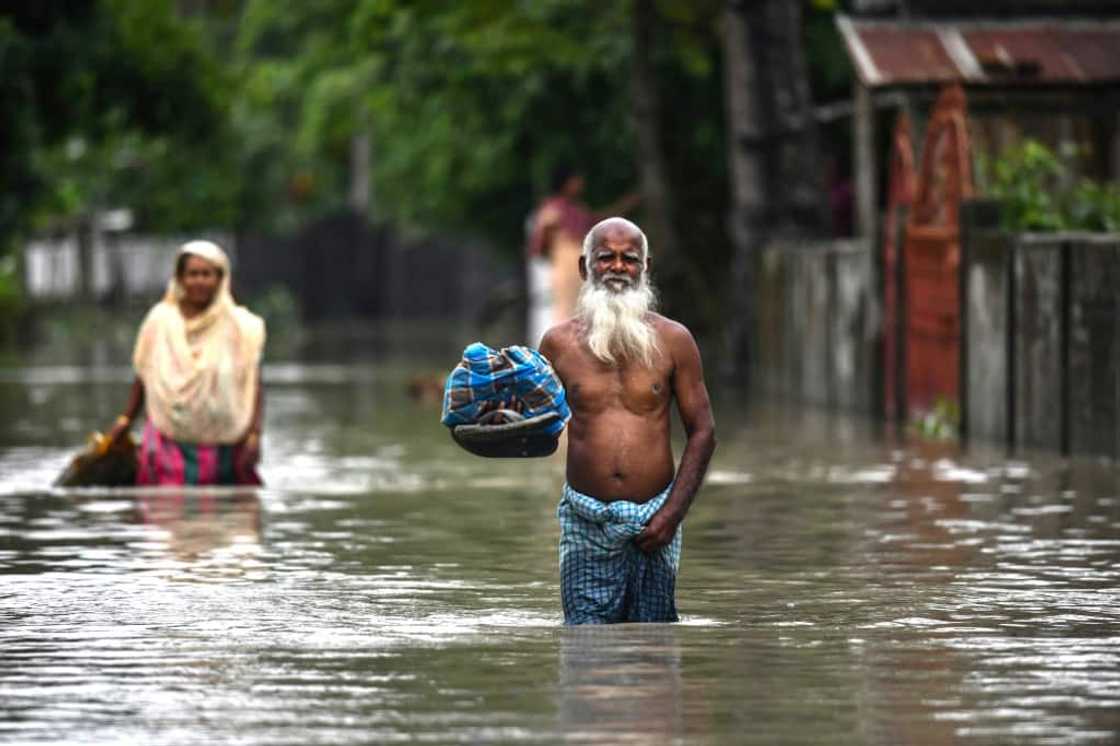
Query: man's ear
{"points": [[583, 268]]}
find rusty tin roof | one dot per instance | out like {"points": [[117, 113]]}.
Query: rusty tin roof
{"points": [[990, 53]]}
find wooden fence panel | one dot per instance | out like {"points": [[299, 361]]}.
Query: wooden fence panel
{"points": [[855, 328], [1039, 365], [1094, 348]]}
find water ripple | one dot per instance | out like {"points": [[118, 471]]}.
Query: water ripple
{"points": [[386, 587]]}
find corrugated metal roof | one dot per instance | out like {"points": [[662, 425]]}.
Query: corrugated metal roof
{"points": [[994, 53]]}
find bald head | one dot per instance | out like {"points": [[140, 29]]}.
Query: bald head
{"points": [[616, 297], [615, 229]]}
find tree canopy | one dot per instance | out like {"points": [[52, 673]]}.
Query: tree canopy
{"points": [[245, 113], [110, 103]]}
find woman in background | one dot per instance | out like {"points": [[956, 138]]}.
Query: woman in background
{"points": [[197, 362]]}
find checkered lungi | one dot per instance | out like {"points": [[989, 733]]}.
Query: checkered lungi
{"points": [[604, 577]]}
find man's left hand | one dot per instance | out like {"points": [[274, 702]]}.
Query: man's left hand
{"points": [[657, 533]]}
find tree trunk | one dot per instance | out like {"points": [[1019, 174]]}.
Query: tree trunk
{"points": [[360, 197], [656, 192], [799, 165], [774, 156], [674, 268], [360, 172], [746, 131]]}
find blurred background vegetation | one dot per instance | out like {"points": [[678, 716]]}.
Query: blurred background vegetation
{"points": [[1032, 184], [255, 115]]}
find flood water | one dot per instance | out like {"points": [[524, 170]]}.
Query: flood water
{"points": [[836, 587]]}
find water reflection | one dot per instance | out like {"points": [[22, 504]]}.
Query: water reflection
{"points": [[927, 500], [204, 525], [620, 683]]}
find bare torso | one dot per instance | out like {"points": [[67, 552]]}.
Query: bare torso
{"points": [[619, 436]]}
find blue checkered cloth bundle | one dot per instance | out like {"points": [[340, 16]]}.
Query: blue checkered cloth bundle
{"points": [[510, 374], [604, 576]]}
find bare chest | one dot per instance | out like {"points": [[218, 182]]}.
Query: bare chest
{"points": [[596, 389]]}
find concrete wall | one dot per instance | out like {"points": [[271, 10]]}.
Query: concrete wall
{"points": [[819, 323]]}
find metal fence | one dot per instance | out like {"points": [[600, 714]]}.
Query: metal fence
{"points": [[338, 267], [342, 267]]}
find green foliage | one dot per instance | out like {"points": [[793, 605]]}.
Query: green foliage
{"points": [[1028, 180], [830, 70], [242, 113], [110, 103], [11, 298], [467, 105], [1096, 207], [470, 106], [942, 422]]}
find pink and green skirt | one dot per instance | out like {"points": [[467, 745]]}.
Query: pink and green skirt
{"points": [[163, 461]]}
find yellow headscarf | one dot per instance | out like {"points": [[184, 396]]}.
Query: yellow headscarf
{"points": [[200, 374]]}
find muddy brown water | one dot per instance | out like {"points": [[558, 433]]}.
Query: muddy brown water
{"points": [[837, 586]]}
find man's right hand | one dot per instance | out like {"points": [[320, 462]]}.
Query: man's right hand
{"points": [[658, 532]]}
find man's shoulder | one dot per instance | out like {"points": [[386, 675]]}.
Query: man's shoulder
{"points": [[565, 346], [563, 333], [557, 340], [669, 328], [675, 338]]}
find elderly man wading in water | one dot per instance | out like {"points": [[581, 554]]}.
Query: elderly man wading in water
{"points": [[622, 366]]}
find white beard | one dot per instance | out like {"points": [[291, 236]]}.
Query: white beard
{"points": [[615, 323]]}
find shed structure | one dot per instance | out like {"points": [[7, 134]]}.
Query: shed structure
{"points": [[1055, 79], [995, 82]]}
